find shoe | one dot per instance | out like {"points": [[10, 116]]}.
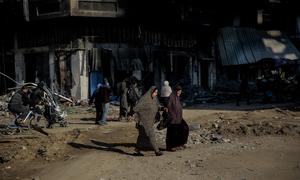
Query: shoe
{"points": [[184, 146], [103, 123], [171, 149], [123, 119], [158, 153], [138, 154], [180, 148]]}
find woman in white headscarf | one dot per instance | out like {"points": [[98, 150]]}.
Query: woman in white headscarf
{"points": [[165, 93]]}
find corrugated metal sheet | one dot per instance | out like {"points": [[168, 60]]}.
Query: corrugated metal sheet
{"points": [[129, 59], [239, 46]]}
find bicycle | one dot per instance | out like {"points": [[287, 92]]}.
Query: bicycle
{"points": [[20, 125]]}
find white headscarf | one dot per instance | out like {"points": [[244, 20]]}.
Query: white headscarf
{"points": [[166, 90]]}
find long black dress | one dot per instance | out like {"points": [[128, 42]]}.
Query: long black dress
{"points": [[177, 130]]}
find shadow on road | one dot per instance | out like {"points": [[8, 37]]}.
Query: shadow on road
{"points": [[87, 119], [104, 146]]}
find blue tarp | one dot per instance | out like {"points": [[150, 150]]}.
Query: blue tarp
{"points": [[96, 77], [276, 62]]}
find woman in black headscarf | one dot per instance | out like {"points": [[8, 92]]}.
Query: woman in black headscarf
{"points": [[146, 108], [177, 130]]}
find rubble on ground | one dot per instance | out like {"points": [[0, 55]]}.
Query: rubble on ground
{"points": [[3, 103], [217, 128], [224, 130]]}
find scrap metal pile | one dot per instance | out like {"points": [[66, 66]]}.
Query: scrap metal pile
{"points": [[44, 105]]}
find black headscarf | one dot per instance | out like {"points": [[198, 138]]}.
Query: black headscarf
{"points": [[175, 107]]}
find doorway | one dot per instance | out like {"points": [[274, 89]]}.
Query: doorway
{"points": [[37, 67], [204, 74]]}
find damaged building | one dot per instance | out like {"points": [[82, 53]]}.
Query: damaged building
{"points": [[74, 44], [242, 52], [257, 38]]}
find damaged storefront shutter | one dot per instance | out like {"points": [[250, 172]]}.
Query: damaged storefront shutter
{"points": [[136, 67], [94, 56], [122, 59]]}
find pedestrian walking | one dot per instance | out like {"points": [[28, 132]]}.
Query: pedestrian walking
{"points": [[146, 109], [177, 129]]}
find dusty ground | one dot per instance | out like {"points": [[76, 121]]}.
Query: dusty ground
{"points": [[226, 142]]}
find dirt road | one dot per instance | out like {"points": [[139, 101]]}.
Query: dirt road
{"points": [[263, 143], [259, 158]]}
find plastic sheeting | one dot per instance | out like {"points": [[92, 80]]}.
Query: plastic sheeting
{"points": [[95, 78]]}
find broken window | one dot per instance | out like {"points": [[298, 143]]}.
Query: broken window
{"points": [[37, 8], [98, 5], [37, 67]]}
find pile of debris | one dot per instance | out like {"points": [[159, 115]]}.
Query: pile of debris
{"points": [[224, 130], [4, 112], [197, 135], [4, 102]]}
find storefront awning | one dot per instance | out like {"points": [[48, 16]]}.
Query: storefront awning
{"points": [[237, 46]]}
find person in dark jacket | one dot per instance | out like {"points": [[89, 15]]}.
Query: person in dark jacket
{"points": [[37, 94], [95, 98], [146, 109], [177, 129], [100, 98], [123, 102], [105, 92], [19, 103]]}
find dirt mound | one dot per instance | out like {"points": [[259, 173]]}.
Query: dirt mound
{"points": [[257, 129], [36, 146]]}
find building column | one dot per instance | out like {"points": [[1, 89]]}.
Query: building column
{"points": [[194, 72], [19, 66], [212, 78], [52, 66], [19, 62], [79, 75], [79, 72], [156, 71], [191, 69], [298, 26], [199, 73], [84, 76], [163, 77]]}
